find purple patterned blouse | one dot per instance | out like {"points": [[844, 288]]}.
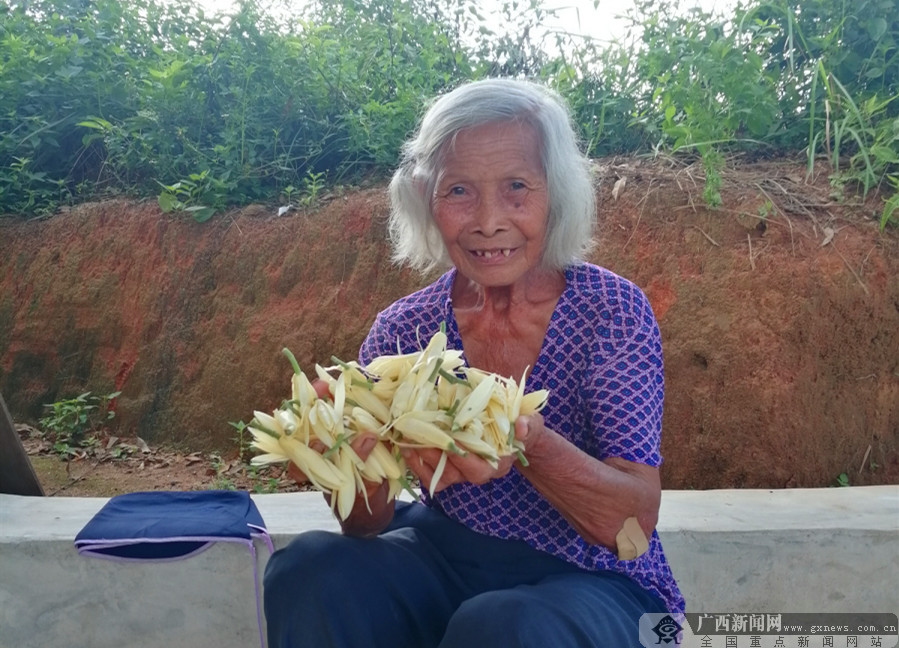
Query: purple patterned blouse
{"points": [[602, 364]]}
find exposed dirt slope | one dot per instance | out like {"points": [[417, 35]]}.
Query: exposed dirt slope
{"points": [[779, 313]]}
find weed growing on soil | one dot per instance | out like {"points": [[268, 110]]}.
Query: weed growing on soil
{"points": [[70, 420], [222, 481], [262, 483], [242, 438], [312, 187]]}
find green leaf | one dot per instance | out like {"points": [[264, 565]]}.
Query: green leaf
{"points": [[885, 154], [167, 202], [877, 28], [95, 123], [891, 207], [68, 71], [201, 213]]}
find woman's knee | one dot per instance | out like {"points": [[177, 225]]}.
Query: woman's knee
{"points": [[393, 597], [501, 618], [565, 611], [306, 554], [312, 570]]}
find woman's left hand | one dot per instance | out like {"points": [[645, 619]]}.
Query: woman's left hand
{"points": [[528, 429], [469, 467], [459, 468]]}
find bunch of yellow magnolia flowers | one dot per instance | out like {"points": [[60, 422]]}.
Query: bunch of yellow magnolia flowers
{"points": [[428, 399]]}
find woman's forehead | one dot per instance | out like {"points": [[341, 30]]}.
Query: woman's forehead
{"points": [[493, 143], [514, 129]]}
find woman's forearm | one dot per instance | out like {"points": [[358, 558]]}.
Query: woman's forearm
{"points": [[595, 496]]}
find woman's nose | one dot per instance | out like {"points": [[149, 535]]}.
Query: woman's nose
{"points": [[491, 216]]}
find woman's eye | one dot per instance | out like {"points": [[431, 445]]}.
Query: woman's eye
{"points": [[457, 191], [517, 186]]}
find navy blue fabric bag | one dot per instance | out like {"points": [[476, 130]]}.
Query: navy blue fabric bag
{"points": [[173, 525], [169, 525]]}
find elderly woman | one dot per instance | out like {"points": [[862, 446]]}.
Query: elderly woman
{"points": [[494, 188]]}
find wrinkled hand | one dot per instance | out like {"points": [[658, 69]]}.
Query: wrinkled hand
{"points": [[529, 429], [362, 444], [370, 514], [367, 519], [468, 468]]}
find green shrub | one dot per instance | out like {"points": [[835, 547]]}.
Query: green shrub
{"points": [[71, 420], [154, 98]]}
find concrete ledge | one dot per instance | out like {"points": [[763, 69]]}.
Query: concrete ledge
{"points": [[804, 550]]}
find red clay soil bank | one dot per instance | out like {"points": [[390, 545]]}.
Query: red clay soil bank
{"points": [[779, 314]]}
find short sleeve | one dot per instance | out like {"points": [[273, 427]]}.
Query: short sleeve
{"points": [[624, 386]]}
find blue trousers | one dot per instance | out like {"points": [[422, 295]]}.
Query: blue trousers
{"points": [[428, 581]]}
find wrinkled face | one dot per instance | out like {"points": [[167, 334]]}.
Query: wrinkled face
{"points": [[491, 203]]}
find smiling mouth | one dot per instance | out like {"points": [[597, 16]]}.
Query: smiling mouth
{"points": [[488, 254]]}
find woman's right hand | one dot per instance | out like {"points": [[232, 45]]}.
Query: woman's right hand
{"points": [[361, 521]]}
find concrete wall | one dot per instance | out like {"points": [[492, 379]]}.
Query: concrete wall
{"points": [[804, 550]]}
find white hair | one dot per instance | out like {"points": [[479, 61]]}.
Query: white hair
{"points": [[572, 199]]}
